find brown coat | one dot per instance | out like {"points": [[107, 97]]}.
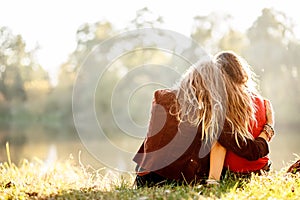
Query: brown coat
{"points": [[175, 150]]}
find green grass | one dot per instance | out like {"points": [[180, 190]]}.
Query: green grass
{"points": [[70, 180]]}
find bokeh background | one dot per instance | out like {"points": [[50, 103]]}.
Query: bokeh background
{"points": [[43, 44]]}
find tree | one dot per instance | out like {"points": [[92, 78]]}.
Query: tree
{"points": [[146, 18], [234, 40], [273, 52], [209, 29], [18, 68], [24, 84], [89, 36]]}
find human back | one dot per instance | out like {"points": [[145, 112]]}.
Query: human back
{"points": [[184, 120], [246, 109], [236, 163]]}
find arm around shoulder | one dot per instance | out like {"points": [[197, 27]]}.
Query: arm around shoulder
{"points": [[250, 149]]}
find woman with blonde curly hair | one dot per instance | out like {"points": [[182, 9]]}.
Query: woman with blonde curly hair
{"points": [[185, 121], [247, 112]]}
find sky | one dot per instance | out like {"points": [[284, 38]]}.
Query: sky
{"points": [[52, 24]]}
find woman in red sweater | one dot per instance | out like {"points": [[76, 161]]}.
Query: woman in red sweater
{"points": [[251, 115]]}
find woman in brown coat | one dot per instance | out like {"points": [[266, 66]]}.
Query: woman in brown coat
{"points": [[185, 121]]}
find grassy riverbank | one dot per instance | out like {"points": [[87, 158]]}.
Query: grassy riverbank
{"points": [[69, 180]]}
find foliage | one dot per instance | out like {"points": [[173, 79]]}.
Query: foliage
{"points": [[268, 52], [20, 74], [269, 45], [23, 82]]}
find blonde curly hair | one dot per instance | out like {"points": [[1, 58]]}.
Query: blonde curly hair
{"points": [[201, 98]]}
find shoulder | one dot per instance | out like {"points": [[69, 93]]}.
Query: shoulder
{"points": [[266, 101], [259, 98], [262, 101], [164, 96], [259, 101]]}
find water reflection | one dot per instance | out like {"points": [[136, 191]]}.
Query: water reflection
{"points": [[50, 143]]}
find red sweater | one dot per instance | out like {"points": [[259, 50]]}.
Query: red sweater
{"points": [[236, 163]]}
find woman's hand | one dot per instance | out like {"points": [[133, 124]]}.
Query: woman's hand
{"points": [[268, 131], [269, 113], [264, 135]]}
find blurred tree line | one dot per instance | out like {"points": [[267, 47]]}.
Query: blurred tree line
{"points": [[23, 82], [27, 96]]}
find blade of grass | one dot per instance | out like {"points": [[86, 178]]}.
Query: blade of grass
{"points": [[8, 154]]}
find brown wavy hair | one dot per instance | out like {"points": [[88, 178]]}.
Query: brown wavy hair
{"points": [[240, 87]]}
